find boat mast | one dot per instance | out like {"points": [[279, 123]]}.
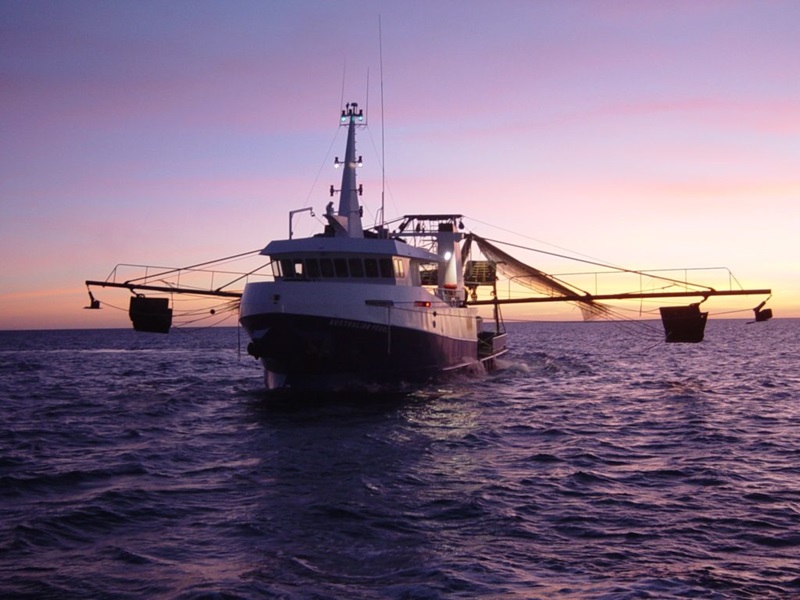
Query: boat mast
{"points": [[347, 221]]}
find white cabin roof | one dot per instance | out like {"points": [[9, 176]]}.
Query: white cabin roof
{"points": [[343, 245]]}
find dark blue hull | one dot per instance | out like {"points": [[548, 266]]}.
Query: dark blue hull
{"points": [[327, 354]]}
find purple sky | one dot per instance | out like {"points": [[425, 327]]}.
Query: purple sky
{"points": [[645, 134]]}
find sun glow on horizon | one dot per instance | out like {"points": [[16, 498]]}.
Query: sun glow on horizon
{"points": [[652, 136]]}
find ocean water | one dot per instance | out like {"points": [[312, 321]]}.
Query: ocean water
{"points": [[596, 463]]}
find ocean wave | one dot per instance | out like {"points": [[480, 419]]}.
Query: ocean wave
{"points": [[574, 470]]}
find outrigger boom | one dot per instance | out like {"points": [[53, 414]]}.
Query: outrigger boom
{"points": [[134, 287], [167, 289], [622, 296]]}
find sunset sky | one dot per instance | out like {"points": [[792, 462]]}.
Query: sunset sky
{"points": [[644, 134]]}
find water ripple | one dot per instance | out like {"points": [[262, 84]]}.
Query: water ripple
{"points": [[135, 467]]}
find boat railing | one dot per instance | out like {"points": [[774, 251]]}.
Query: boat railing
{"points": [[185, 278]]}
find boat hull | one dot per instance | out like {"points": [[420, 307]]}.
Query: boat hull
{"points": [[316, 353]]}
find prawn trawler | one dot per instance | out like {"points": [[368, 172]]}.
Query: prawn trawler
{"points": [[385, 308], [351, 308]]}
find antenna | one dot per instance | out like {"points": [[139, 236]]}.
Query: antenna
{"points": [[344, 72], [383, 146]]}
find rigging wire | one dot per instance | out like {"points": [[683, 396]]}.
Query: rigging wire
{"points": [[322, 166], [190, 267], [529, 237], [602, 265], [187, 323], [344, 73], [587, 260], [383, 136], [730, 312], [245, 275], [385, 187]]}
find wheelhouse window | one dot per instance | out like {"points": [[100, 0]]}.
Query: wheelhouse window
{"points": [[399, 271], [292, 267], [340, 266], [371, 267], [354, 267], [312, 268], [326, 267]]}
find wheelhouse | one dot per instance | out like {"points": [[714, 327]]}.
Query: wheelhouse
{"points": [[370, 269], [376, 261]]}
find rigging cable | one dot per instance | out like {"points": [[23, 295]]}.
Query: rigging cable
{"points": [[322, 166], [603, 265], [190, 267]]}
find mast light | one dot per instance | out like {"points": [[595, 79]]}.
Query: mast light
{"points": [[352, 112]]}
